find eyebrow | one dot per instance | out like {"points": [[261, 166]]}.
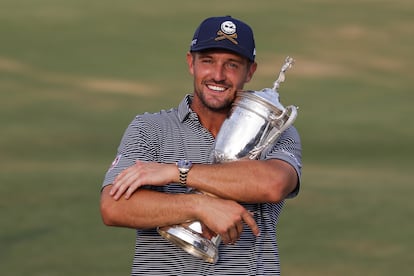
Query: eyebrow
{"points": [[209, 54]]}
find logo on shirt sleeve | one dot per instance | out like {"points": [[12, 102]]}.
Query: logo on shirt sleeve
{"points": [[115, 162]]}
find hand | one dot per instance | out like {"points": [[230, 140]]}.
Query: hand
{"points": [[142, 173], [226, 218]]}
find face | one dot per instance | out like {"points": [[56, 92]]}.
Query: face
{"points": [[218, 75]]}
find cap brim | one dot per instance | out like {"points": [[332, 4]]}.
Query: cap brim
{"points": [[224, 46]]}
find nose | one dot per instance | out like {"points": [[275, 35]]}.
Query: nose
{"points": [[219, 73]]}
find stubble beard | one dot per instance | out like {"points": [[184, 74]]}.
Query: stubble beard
{"points": [[218, 106]]}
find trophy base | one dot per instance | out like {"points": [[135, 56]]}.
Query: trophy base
{"points": [[191, 242]]}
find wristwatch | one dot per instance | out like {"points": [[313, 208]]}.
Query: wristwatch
{"points": [[184, 167]]}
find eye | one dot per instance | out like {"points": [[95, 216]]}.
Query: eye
{"points": [[232, 65], [206, 60]]}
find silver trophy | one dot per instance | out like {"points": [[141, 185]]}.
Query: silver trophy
{"points": [[256, 120]]}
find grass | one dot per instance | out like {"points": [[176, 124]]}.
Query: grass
{"points": [[73, 75]]}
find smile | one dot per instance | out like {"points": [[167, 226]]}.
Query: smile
{"points": [[216, 88]]}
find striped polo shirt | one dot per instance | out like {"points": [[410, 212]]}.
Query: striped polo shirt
{"points": [[171, 135]]}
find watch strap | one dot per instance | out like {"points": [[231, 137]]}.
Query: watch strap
{"points": [[184, 167]]}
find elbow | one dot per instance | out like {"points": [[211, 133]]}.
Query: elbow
{"points": [[281, 182], [106, 216], [281, 189], [108, 213], [275, 196]]}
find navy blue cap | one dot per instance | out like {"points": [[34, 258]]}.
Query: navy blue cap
{"points": [[226, 33]]}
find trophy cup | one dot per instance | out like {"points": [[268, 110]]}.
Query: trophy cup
{"points": [[256, 120]]}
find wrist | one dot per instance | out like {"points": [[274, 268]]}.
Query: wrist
{"points": [[198, 204], [184, 167]]}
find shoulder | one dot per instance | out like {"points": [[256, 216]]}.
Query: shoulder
{"points": [[291, 133], [161, 117], [288, 147]]}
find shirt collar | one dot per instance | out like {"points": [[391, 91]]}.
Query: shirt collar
{"points": [[184, 109]]}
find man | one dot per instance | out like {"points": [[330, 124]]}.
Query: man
{"points": [[143, 188]]}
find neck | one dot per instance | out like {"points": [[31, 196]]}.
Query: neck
{"points": [[210, 119]]}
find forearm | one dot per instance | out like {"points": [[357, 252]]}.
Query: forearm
{"points": [[147, 209], [245, 181], [150, 209]]}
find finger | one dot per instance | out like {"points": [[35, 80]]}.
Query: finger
{"points": [[121, 189], [123, 184], [239, 228], [207, 232], [122, 174], [118, 181], [115, 185], [226, 238], [235, 235], [131, 190], [232, 235], [251, 222], [113, 190]]}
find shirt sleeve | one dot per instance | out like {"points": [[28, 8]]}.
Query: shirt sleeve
{"points": [[135, 145], [289, 149]]}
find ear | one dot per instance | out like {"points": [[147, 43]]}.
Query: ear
{"points": [[190, 62], [251, 71]]}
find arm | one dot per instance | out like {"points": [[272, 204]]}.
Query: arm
{"points": [[147, 209], [150, 209], [250, 181]]}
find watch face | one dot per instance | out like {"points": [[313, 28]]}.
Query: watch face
{"points": [[184, 164]]}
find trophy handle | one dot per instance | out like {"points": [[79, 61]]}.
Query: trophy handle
{"points": [[290, 111], [292, 117]]}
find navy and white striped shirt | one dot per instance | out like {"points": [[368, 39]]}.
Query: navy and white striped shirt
{"points": [[168, 136]]}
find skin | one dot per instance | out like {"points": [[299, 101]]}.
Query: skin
{"points": [[218, 75]]}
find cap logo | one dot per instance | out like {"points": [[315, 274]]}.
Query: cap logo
{"points": [[227, 31]]}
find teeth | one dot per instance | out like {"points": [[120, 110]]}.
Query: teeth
{"points": [[216, 88]]}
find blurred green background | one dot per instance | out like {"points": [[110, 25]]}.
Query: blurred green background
{"points": [[74, 73]]}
